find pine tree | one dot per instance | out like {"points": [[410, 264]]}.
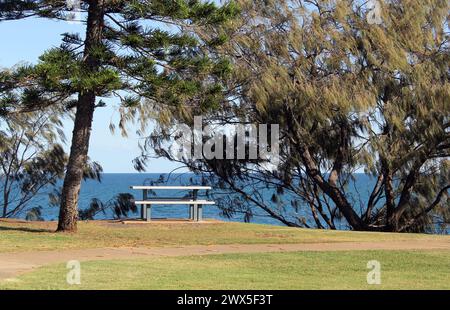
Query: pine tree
{"points": [[129, 53]]}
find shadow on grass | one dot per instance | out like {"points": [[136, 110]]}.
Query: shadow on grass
{"points": [[26, 229]]}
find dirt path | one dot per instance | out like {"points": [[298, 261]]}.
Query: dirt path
{"points": [[13, 264]]}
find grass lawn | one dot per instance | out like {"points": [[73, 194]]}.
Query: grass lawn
{"points": [[295, 270], [31, 236]]}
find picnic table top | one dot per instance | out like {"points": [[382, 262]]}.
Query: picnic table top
{"points": [[174, 202], [171, 187]]}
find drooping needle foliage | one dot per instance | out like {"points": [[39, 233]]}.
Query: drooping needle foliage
{"points": [[350, 96]]}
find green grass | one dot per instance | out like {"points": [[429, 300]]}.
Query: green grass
{"points": [[32, 236], [296, 270]]}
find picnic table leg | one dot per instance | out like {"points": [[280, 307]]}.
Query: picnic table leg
{"points": [[146, 213], [142, 212], [199, 213], [194, 208], [191, 212], [195, 215], [149, 213]]}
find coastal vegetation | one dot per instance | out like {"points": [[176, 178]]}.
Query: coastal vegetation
{"points": [[348, 92], [121, 56], [349, 95]]}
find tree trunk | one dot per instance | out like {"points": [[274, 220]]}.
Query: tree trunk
{"points": [[389, 194], [5, 206], [331, 191], [313, 171], [68, 213]]}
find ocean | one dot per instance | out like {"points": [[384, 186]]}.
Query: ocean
{"points": [[115, 183]]}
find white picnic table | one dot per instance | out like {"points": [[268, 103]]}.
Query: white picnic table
{"points": [[195, 204]]}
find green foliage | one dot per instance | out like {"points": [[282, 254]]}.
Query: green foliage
{"points": [[348, 96], [139, 55], [31, 159], [120, 206], [34, 214], [129, 53]]}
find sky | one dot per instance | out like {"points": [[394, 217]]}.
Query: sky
{"points": [[24, 41]]}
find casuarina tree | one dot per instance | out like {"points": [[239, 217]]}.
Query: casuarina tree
{"points": [[354, 88], [131, 50], [33, 160]]}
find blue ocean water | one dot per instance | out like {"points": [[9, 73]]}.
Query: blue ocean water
{"points": [[115, 183]]}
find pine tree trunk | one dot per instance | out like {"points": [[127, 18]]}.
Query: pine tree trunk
{"points": [[68, 213]]}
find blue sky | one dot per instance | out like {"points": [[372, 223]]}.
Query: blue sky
{"points": [[25, 40]]}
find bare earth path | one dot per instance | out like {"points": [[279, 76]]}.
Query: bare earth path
{"points": [[13, 264]]}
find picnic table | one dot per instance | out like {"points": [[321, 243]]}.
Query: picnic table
{"points": [[195, 204]]}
